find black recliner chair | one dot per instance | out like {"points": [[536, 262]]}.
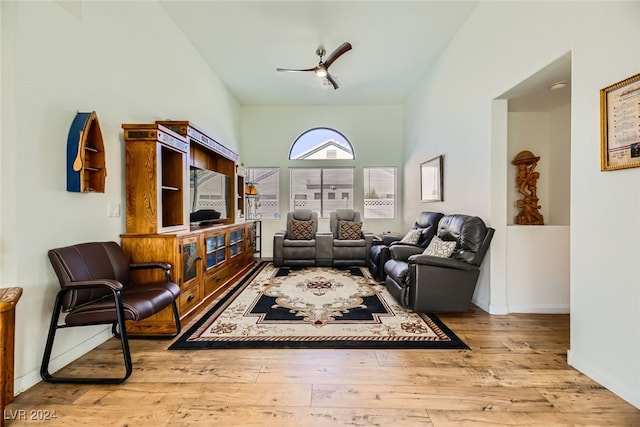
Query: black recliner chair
{"points": [[429, 283], [379, 253]]}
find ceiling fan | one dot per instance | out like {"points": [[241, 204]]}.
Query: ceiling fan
{"points": [[322, 69]]}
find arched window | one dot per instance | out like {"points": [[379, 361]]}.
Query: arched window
{"points": [[321, 143]]}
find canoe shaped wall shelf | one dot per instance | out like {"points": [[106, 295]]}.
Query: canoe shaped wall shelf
{"points": [[86, 169]]}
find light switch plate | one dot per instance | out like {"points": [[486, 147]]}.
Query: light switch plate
{"points": [[113, 209]]}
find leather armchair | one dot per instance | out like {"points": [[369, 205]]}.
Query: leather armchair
{"points": [[379, 253], [432, 284], [96, 290], [349, 250], [296, 246]]}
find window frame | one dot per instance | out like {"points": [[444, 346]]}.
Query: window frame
{"points": [[325, 203], [366, 189], [261, 200], [303, 139]]}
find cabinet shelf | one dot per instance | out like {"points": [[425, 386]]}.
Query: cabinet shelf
{"points": [[156, 179]]}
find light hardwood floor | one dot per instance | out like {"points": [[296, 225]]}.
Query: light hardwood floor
{"points": [[515, 374]]}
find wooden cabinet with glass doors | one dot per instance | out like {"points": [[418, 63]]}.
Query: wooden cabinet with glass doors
{"points": [[216, 269], [182, 252], [204, 263], [205, 258]]}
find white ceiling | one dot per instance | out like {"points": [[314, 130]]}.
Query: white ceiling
{"points": [[394, 44]]}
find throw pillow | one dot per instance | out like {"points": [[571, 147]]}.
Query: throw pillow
{"points": [[412, 236], [440, 248], [349, 230], [301, 230]]}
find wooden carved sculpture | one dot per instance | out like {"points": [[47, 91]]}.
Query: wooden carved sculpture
{"points": [[526, 183]]}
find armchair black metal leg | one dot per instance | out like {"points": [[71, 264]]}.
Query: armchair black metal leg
{"points": [[54, 326], [176, 316], [44, 367]]}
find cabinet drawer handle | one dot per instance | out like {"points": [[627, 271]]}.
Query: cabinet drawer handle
{"points": [[218, 278], [190, 298]]}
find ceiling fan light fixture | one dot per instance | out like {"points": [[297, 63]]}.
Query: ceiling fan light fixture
{"points": [[558, 85], [322, 69]]}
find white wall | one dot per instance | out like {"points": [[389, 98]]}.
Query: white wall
{"points": [[500, 45], [559, 166], [538, 268], [375, 132], [126, 61]]}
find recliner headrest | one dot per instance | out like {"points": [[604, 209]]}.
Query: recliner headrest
{"points": [[302, 214], [468, 231], [428, 223], [428, 219], [345, 214]]}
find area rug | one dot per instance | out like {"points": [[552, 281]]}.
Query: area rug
{"points": [[317, 307]]}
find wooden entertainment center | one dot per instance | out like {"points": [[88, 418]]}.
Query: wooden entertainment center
{"points": [[205, 258]]}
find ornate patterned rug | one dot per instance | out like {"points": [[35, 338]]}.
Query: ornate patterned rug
{"points": [[317, 307]]}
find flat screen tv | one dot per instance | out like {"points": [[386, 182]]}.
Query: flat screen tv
{"points": [[209, 196]]}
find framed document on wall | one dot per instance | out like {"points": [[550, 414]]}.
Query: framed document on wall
{"points": [[431, 173], [620, 125]]}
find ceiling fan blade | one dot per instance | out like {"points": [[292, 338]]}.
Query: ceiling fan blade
{"points": [[333, 81], [344, 47], [292, 70]]}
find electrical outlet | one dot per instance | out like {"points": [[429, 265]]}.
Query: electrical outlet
{"points": [[113, 209]]}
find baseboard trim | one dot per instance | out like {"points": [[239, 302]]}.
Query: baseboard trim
{"points": [[498, 309], [595, 374], [32, 378], [540, 309]]}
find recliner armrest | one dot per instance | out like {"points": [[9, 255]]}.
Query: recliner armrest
{"points": [[403, 252], [435, 261], [278, 243], [368, 236], [388, 239], [368, 239], [324, 248], [406, 244]]}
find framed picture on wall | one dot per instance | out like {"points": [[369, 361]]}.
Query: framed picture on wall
{"points": [[620, 125], [431, 174]]}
